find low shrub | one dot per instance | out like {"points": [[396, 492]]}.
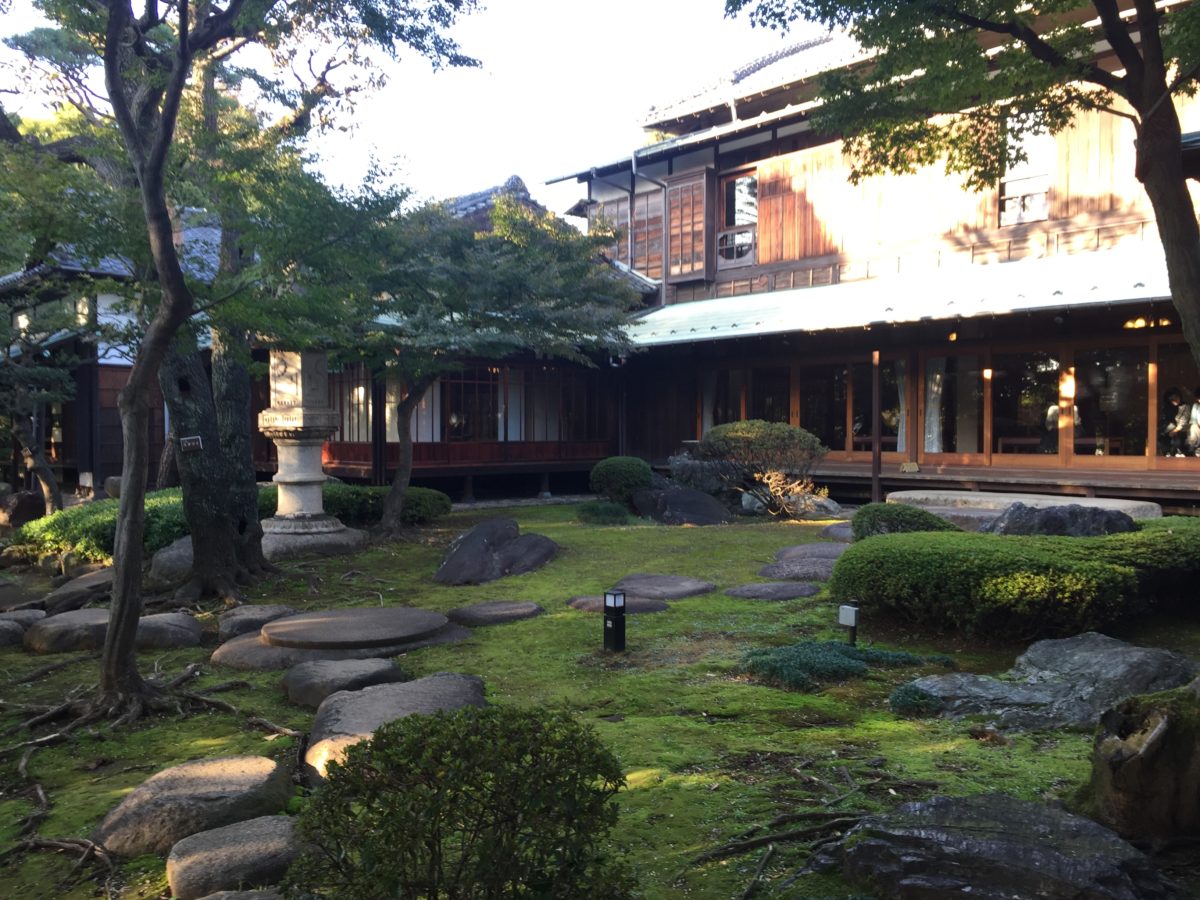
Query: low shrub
{"points": [[981, 583], [490, 802], [894, 518], [602, 512], [620, 477], [910, 701], [803, 666], [743, 453]]}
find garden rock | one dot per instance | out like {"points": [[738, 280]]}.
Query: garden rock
{"points": [[801, 569], [193, 797], [21, 508], [1065, 683], [663, 587], [267, 894], [246, 619], [307, 684], [774, 590], [80, 629], [23, 617], [494, 612], [348, 717], [633, 605], [171, 565], [680, 506], [281, 545], [345, 629], [815, 550], [994, 847], [250, 653], [78, 592], [1072, 520], [491, 550], [112, 486], [838, 531], [14, 595], [11, 633], [257, 851], [167, 630]]}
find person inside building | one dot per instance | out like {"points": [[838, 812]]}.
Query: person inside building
{"points": [[1178, 418], [1193, 435]]}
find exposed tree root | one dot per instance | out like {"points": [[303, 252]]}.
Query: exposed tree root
{"points": [[756, 881], [735, 848], [270, 727], [88, 851], [54, 667]]}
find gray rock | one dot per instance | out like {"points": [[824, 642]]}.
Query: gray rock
{"points": [[633, 605], [279, 546], [308, 684], [250, 653], [11, 633], [267, 894], [1071, 520], [663, 587], [17, 595], [492, 549], [994, 847], [800, 569], [494, 612], [23, 617], [167, 630], [838, 531], [246, 619], [753, 506], [353, 628], [774, 590], [254, 852], [1065, 683], [681, 506], [171, 565], [112, 486], [192, 797], [22, 508], [80, 629], [78, 592], [815, 550], [348, 717]]}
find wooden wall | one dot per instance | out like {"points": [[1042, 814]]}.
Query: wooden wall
{"points": [[108, 459]]}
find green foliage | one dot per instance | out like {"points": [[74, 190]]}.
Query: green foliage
{"points": [[423, 505], [981, 584], [910, 701], [477, 803], [602, 512], [804, 665], [744, 452], [620, 477], [892, 518]]}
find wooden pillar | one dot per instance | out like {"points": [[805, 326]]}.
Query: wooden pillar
{"points": [[468, 494], [379, 428], [876, 448]]}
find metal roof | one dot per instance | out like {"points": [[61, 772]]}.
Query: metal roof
{"points": [[1081, 280]]}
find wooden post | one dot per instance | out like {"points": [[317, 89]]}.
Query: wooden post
{"points": [[379, 428], [876, 451]]}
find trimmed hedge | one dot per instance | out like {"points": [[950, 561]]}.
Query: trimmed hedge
{"points": [[88, 530], [895, 518], [602, 512], [620, 477]]}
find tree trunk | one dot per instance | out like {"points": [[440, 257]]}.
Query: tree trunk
{"points": [[35, 461], [204, 475], [168, 472], [393, 503]]}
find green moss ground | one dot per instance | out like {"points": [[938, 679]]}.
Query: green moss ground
{"points": [[708, 752]]}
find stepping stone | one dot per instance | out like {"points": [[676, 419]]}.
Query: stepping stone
{"points": [[249, 653], [494, 612], [774, 590], [345, 629], [817, 550], [838, 531], [799, 570], [266, 894], [245, 619], [78, 591], [166, 631], [11, 633], [348, 717], [633, 605], [257, 851], [663, 587], [309, 683], [23, 617], [192, 797], [80, 629]]}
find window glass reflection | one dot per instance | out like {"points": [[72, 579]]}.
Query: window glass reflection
{"points": [[1025, 408], [823, 404], [1111, 395], [893, 406], [953, 420]]}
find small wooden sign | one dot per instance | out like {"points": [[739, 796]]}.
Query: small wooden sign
{"points": [[191, 444]]}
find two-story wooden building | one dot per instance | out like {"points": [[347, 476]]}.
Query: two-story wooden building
{"points": [[1025, 334]]}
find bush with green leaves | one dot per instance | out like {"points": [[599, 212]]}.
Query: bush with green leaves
{"points": [[620, 477], [910, 701], [805, 665], [895, 518], [479, 803], [742, 453], [602, 512]]}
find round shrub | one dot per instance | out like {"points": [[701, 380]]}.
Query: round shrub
{"points": [[478, 803], [894, 518], [620, 477], [602, 512], [423, 505], [744, 453], [89, 529]]}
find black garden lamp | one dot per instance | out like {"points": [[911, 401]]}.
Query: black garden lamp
{"points": [[614, 621]]}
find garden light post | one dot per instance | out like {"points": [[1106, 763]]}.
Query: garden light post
{"points": [[614, 621], [848, 618]]}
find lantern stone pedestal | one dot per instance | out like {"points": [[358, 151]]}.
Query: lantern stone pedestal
{"points": [[299, 421]]}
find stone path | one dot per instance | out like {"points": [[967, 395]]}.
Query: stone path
{"points": [[256, 851], [633, 605], [663, 587], [815, 550], [800, 570], [250, 618], [250, 653], [84, 629], [774, 590], [357, 628], [838, 531], [308, 684], [494, 612]]}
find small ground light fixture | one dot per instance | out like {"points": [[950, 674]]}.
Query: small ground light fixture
{"points": [[848, 618], [614, 621]]}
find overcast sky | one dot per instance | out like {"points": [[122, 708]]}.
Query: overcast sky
{"points": [[563, 86]]}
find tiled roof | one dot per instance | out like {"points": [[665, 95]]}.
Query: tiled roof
{"points": [[471, 204]]}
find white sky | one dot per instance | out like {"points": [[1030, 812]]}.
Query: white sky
{"points": [[563, 86]]}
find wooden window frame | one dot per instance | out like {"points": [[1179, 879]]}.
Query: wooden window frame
{"points": [[723, 229], [683, 191]]}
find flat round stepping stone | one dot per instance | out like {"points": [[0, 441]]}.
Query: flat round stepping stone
{"points": [[838, 531], [774, 590], [663, 587], [307, 684], [195, 796], [80, 629], [799, 570], [348, 717], [23, 617], [246, 619], [816, 550], [167, 630], [257, 851], [249, 653], [349, 629], [494, 612], [11, 633], [633, 605]]}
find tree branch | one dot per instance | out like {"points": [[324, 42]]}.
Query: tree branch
{"points": [[1116, 32]]}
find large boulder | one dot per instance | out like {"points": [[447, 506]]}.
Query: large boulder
{"points": [[21, 508], [1063, 683], [250, 618], [308, 684], [80, 629], [680, 506], [491, 550], [195, 796], [255, 852], [166, 631], [11, 633], [171, 565], [78, 592], [994, 847], [1071, 520]]}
